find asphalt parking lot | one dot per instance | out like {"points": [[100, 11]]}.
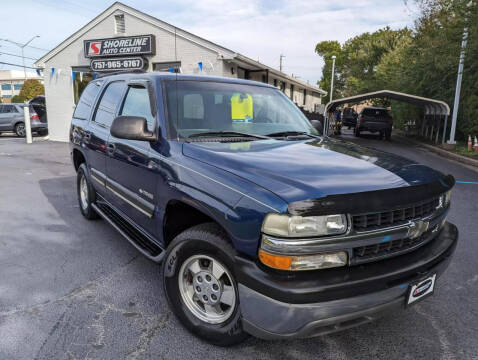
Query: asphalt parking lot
{"points": [[72, 289]]}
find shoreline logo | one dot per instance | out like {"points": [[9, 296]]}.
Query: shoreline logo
{"points": [[94, 48]]}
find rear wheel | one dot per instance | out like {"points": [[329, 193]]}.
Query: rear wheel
{"points": [[86, 193], [200, 285], [20, 129]]}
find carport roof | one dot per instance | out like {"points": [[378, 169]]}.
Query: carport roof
{"points": [[432, 106]]}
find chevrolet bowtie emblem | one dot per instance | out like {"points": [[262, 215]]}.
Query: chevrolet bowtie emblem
{"points": [[417, 228]]}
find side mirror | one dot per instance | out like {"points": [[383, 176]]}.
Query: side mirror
{"points": [[131, 128], [317, 124]]}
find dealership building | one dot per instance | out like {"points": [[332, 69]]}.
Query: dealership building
{"points": [[123, 38]]}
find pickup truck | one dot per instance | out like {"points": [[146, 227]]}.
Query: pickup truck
{"points": [[263, 226]]}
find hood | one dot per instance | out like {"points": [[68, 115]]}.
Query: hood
{"points": [[299, 170]]}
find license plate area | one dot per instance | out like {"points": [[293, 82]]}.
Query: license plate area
{"points": [[421, 289]]}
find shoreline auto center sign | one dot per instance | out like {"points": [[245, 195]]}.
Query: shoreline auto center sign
{"points": [[101, 50]]}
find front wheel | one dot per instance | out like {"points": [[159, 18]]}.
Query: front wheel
{"points": [[20, 129], [200, 285]]}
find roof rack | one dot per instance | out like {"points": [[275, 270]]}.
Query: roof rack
{"points": [[136, 71]]}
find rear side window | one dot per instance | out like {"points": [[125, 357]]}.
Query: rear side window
{"points": [[85, 104], [7, 109], [109, 102], [137, 103]]}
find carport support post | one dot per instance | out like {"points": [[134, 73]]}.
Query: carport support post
{"points": [[28, 128], [444, 129]]}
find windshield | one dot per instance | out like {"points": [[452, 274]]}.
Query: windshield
{"points": [[196, 107]]}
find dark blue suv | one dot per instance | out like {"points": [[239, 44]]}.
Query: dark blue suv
{"points": [[263, 225]]}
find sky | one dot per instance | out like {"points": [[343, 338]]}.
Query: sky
{"points": [[260, 29]]}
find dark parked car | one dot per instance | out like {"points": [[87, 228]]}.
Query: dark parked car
{"points": [[12, 119], [263, 226], [375, 119], [349, 117]]}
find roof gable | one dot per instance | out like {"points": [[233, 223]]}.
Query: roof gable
{"points": [[118, 6]]}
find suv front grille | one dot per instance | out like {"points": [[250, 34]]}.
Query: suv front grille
{"points": [[374, 251], [376, 220]]}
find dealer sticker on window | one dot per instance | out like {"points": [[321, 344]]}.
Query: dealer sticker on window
{"points": [[421, 289]]}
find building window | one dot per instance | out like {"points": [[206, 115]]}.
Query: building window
{"points": [[81, 81], [305, 96], [7, 96], [264, 78], [292, 92], [6, 86], [17, 86], [120, 27], [275, 82], [169, 66]]}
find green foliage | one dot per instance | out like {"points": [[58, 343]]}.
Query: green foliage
{"points": [[32, 88], [421, 61], [18, 99]]}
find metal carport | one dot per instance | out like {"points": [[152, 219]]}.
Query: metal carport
{"points": [[432, 109]]}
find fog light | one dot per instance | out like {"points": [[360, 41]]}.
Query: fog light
{"points": [[304, 262]]}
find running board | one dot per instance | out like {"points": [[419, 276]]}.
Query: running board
{"points": [[139, 240]]}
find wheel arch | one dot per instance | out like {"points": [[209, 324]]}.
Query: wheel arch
{"points": [[78, 158], [182, 214]]}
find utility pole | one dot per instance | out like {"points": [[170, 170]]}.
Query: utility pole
{"points": [[280, 62], [456, 103]]}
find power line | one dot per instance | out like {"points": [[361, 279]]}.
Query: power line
{"points": [[10, 54], [5, 63]]}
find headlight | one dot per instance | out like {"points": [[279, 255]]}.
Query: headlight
{"points": [[304, 262], [447, 198], [444, 200], [298, 226]]}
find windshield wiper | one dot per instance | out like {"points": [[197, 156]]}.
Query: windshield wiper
{"points": [[290, 133], [227, 134]]}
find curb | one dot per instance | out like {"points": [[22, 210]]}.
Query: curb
{"points": [[441, 152]]}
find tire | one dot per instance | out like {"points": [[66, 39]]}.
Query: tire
{"points": [[202, 245], [86, 198], [20, 129], [381, 135], [42, 132], [388, 135]]}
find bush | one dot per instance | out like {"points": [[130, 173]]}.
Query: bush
{"points": [[18, 99]]}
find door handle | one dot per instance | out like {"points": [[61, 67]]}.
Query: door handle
{"points": [[111, 148]]}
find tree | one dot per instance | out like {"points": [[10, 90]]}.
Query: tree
{"points": [[31, 88]]}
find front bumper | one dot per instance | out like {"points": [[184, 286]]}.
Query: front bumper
{"points": [[275, 306]]}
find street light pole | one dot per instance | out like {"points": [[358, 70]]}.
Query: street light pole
{"points": [[459, 77], [456, 104], [332, 79], [26, 111], [22, 46]]}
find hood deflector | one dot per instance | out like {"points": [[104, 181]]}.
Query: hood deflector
{"points": [[371, 201]]}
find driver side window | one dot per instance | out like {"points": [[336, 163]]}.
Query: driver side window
{"points": [[137, 103]]}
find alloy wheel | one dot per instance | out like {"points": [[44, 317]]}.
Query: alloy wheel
{"points": [[207, 289]]}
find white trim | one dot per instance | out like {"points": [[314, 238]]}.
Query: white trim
{"points": [[432, 101]]}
